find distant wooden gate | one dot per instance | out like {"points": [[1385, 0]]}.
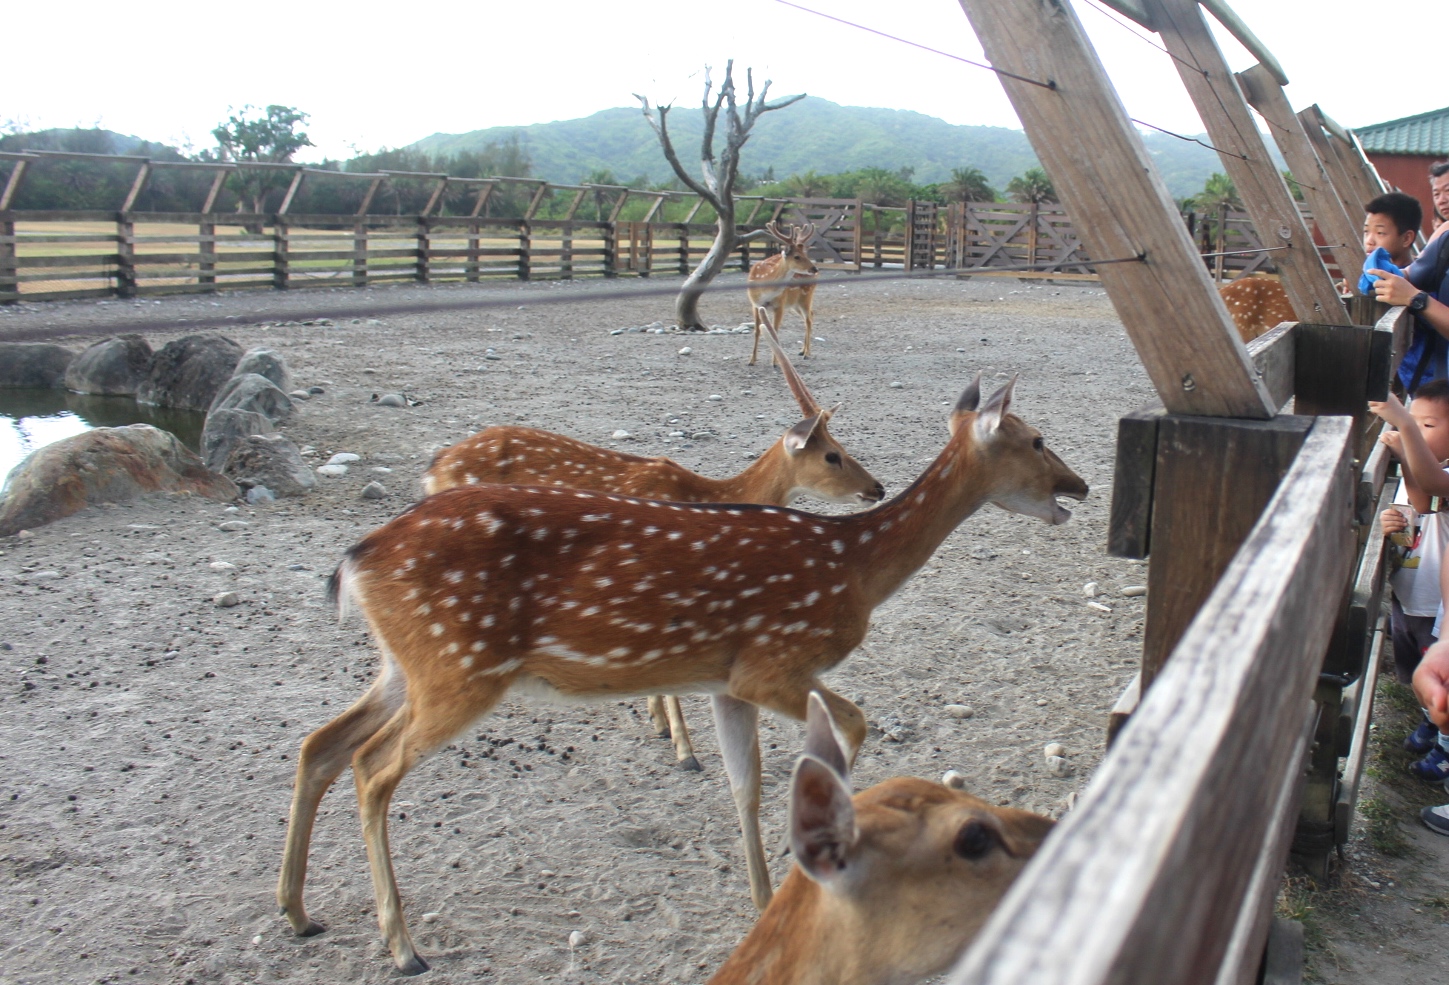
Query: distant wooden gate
{"points": [[921, 235], [836, 245]]}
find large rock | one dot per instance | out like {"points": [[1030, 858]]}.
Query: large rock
{"points": [[188, 372], [265, 362], [116, 366], [224, 429], [33, 364], [251, 392], [106, 465], [272, 461]]}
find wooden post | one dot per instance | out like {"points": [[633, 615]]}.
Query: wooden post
{"points": [[359, 250], [367, 196], [1346, 145], [684, 248], [566, 247], [1339, 226], [9, 263], [611, 249], [12, 184], [1109, 184], [437, 195], [471, 268], [126, 256], [1220, 244], [1349, 182], [1032, 234], [574, 205], [1231, 127], [291, 191], [482, 199], [281, 264], [424, 245], [536, 201], [525, 249], [206, 246], [139, 183], [214, 190]]}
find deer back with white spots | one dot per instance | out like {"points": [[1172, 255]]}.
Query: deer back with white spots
{"points": [[595, 595], [888, 886], [786, 281], [1257, 304]]}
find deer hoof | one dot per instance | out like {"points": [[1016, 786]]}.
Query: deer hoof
{"points": [[413, 966], [312, 929], [690, 765]]}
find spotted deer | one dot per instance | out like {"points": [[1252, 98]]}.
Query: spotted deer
{"points": [[806, 461], [591, 595], [775, 276], [1257, 304], [889, 885]]}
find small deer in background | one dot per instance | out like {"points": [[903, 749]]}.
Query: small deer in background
{"points": [[791, 263], [584, 594], [889, 886], [806, 461], [1257, 304]]}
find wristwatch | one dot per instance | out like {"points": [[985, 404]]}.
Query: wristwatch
{"points": [[1419, 302]]}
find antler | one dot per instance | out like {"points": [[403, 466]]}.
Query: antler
{"points": [[773, 228], [807, 401], [803, 234]]}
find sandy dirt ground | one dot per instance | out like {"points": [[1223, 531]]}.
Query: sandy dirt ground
{"points": [[149, 735]]}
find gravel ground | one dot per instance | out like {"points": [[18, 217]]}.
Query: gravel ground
{"points": [[149, 734]]}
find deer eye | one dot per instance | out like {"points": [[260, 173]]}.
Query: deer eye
{"points": [[974, 840], [1038, 444], [832, 457]]}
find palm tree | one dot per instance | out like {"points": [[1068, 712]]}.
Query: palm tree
{"points": [[1033, 186], [968, 185], [807, 185], [1217, 193]]}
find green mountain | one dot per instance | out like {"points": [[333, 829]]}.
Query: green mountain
{"points": [[814, 134]]}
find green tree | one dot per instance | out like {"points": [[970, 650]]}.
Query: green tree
{"points": [[807, 185], [1032, 185], [267, 136], [968, 185], [1218, 193]]}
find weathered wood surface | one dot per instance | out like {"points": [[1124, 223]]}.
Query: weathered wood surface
{"points": [[1145, 880], [1108, 182], [1232, 129]]}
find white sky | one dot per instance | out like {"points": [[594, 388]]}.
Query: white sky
{"points": [[386, 75]]}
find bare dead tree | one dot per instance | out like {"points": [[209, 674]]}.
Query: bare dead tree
{"points": [[716, 184]]}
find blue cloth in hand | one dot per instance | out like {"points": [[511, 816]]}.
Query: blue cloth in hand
{"points": [[1377, 260]]}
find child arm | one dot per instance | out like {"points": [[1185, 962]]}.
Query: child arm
{"points": [[1424, 473]]}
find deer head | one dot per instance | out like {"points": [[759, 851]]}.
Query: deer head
{"points": [[793, 247]]}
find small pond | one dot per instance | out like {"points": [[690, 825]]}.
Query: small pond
{"points": [[30, 419]]}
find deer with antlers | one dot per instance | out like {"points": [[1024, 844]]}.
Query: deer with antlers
{"points": [[806, 461], [583, 594], [889, 886], [776, 275]]}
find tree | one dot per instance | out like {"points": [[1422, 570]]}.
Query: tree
{"points": [[807, 185], [1218, 193], [968, 185], [1033, 185], [269, 137], [718, 173]]}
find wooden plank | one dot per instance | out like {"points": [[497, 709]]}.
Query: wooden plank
{"points": [[1111, 187], [1275, 358], [1231, 127], [1359, 746], [84, 260], [1144, 880], [1349, 186], [1339, 226], [1130, 527], [1213, 478], [1123, 708], [1283, 958]]}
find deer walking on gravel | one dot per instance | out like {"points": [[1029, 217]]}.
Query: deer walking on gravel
{"points": [[806, 461], [889, 886], [775, 275], [582, 594]]}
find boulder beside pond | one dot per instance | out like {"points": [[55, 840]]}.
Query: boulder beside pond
{"points": [[253, 392], [271, 461], [188, 372], [268, 363], [106, 465], [115, 367], [38, 365], [224, 429]]}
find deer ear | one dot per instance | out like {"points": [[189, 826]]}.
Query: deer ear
{"points": [[995, 408], [966, 403], [799, 436], [822, 739], [822, 820]]}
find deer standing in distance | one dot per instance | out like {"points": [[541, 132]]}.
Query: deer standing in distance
{"points": [[806, 461], [581, 594], [774, 275], [888, 886]]}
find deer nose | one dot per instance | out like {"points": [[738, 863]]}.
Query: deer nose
{"points": [[874, 495]]}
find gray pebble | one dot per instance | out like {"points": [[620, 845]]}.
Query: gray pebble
{"points": [[374, 490], [392, 400], [316, 391], [1055, 750], [960, 711], [222, 566], [232, 525], [344, 458], [259, 495], [954, 779], [227, 599], [431, 917], [332, 471], [1058, 766], [1134, 591], [578, 938], [896, 384], [300, 395]]}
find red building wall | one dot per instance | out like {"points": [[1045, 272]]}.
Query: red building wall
{"points": [[1410, 174]]}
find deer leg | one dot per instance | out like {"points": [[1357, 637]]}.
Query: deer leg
{"points": [[739, 741], [379, 766], [807, 309], [779, 323], [792, 701], [755, 352], [659, 715], [324, 755], [683, 749]]}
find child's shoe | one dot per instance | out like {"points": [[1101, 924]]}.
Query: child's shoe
{"points": [[1433, 767], [1423, 738], [1436, 819]]}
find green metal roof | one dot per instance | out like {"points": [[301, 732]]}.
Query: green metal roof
{"points": [[1426, 133]]}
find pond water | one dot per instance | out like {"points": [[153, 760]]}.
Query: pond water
{"points": [[31, 419]]}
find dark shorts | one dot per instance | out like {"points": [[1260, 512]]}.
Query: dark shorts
{"points": [[1412, 635]]}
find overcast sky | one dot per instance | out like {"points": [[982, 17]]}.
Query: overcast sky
{"points": [[386, 75]]}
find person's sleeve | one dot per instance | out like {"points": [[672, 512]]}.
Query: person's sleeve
{"points": [[1422, 268]]}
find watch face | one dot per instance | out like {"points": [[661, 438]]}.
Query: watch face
{"points": [[1419, 301]]}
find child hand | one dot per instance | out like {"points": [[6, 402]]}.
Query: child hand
{"points": [[1431, 684], [1393, 411], [1393, 521], [1393, 441]]}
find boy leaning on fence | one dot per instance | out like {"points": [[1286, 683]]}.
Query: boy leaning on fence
{"points": [[1421, 445]]}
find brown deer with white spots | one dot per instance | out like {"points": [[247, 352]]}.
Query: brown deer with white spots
{"points": [[889, 886], [1257, 304], [775, 276], [583, 594], [806, 461]]}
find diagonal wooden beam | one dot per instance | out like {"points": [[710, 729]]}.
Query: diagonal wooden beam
{"points": [[1339, 225], [1230, 126], [142, 173], [1110, 186]]}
